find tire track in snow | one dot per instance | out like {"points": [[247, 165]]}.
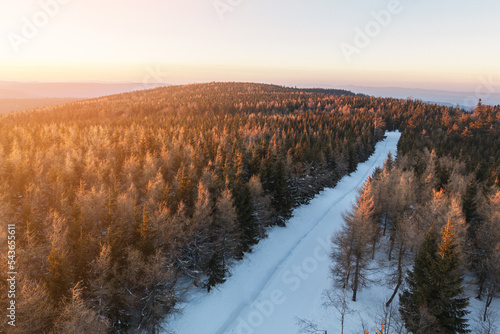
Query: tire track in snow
{"points": [[234, 315]]}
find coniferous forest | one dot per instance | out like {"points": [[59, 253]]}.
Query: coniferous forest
{"points": [[121, 203]]}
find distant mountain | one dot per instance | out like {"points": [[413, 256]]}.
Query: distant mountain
{"points": [[330, 91], [448, 98], [36, 90], [30, 90]]}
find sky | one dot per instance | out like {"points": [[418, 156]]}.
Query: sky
{"points": [[445, 44]]}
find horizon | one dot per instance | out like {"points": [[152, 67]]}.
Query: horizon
{"points": [[95, 89], [305, 86], [393, 43]]}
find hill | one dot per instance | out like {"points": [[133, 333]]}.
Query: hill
{"points": [[120, 200]]}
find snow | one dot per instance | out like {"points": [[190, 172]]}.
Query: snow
{"points": [[285, 276]]}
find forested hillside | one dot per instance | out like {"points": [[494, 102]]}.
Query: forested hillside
{"points": [[436, 209], [119, 200], [116, 199]]}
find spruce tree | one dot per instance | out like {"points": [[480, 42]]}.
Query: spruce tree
{"points": [[453, 303], [442, 176], [281, 198], [415, 297], [216, 271], [432, 301], [469, 207], [246, 217]]}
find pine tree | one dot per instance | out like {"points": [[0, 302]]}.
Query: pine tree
{"points": [[432, 302]]}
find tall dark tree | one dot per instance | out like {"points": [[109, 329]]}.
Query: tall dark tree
{"points": [[442, 176], [432, 301], [469, 207], [281, 198], [475, 252], [452, 302], [216, 270], [246, 218]]}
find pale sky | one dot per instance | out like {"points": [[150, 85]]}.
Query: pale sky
{"points": [[445, 44]]}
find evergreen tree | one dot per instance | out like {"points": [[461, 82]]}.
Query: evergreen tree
{"points": [[246, 217], [281, 198], [216, 271], [469, 206], [432, 302], [389, 162], [442, 176], [414, 300], [453, 304]]}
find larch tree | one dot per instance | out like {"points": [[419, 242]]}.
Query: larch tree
{"points": [[157, 296], [225, 237], [101, 289], [353, 244], [37, 315], [76, 317], [263, 210], [59, 276], [196, 246]]}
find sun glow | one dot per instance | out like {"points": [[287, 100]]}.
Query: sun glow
{"points": [[291, 43]]}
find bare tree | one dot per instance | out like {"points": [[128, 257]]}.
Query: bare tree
{"points": [[488, 322], [76, 317], [352, 244], [308, 327], [37, 315], [338, 300]]}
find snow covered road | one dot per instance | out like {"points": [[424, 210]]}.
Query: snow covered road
{"points": [[285, 275]]}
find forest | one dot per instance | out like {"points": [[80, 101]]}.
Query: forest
{"points": [[122, 202], [432, 217]]}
